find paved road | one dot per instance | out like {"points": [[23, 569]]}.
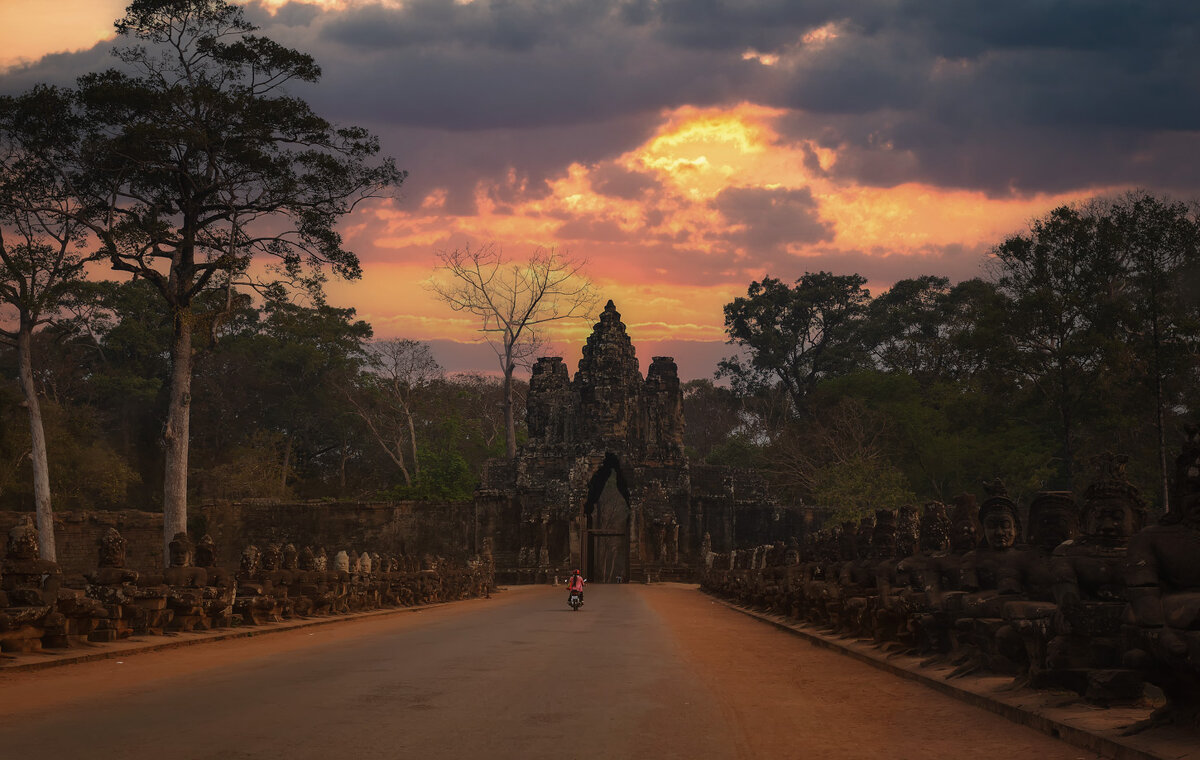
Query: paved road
{"points": [[637, 673]]}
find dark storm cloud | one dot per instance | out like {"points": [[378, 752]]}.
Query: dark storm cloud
{"points": [[771, 218], [1022, 95]]}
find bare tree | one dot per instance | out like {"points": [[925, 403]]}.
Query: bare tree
{"points": [[514, 301], [386, 400]]}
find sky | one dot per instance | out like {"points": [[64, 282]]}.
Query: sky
{"points": [[688, 147]]}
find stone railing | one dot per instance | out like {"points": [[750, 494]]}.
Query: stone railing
{"points": [[41, 607], [1089, 601]]}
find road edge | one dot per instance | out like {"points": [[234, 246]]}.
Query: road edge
{"points": [[71, 657], [1073, 735]]}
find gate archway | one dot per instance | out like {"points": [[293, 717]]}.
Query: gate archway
{"points": [[608, 523]]}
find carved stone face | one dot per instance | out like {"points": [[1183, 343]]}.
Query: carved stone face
{"points": [[1000, 530], [23, 541], [908, 529], [307, 560], [935, 528], [180, 550], [206, 552], [320, 561], [1110, 520], [964, 537], [291, 557], [250, 560], [112, 549], [341, 562], [272, 558], [1051, 519]]}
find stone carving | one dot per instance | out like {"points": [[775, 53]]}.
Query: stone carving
{"points": [[1162, 581], [30, 592], [220, 586], [185, 598], [1095, 613]]}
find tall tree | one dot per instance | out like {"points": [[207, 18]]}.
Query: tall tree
{"points": [[195, 160], [514, 301], [796, 336], [1157, 243], [1058, 279], [42, 254]]}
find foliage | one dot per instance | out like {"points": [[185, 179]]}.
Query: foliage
{"points": [[795, 336]]}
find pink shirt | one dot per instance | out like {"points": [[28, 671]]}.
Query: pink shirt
{"points": [[576, 583]]}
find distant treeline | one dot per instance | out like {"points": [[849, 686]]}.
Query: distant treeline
{"points": [[287, 401], [1083, 336]]}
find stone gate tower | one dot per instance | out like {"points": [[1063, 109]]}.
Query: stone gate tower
{"points": [[602, 484]]}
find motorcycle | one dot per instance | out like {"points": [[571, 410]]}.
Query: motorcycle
{"points": [[575, 599]]}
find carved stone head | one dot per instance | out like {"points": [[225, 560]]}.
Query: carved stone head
{"points": [[364, 563], [180, 550], [22, 541], [341, 562], [1052, 519], [862, 542], [908, 531], [206, 552], [999, 517], [112, 549], [251, 559], [291, 557], [847, 535], [964, 525], [272, 557], [1113, 509], [1185, 507], [307, 559], [935, 528], [883, 537], [320, 560]]}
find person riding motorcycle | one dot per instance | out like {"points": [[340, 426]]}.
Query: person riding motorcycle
{"points": [[576, 585]]}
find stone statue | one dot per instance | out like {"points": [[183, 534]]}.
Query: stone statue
{"points": [[186, 583], [220, 586], [30, 586], [1162, 584], [1085, 653]]}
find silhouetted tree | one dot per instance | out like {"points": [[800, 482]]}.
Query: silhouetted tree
{"points": [[514, 301]]}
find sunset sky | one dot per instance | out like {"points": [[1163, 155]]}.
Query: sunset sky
{"points": [[687, 147]]}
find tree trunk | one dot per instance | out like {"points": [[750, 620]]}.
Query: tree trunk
{"points": [[412, 439], [510, 426], [37, 435], [176, 433], [287, 463], [1164, 483]]}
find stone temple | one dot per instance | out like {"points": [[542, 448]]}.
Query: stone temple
{"points": [[603, 484]]}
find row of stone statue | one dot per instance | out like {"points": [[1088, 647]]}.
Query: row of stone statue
{"points": [[40, 607], [1090, 601]]}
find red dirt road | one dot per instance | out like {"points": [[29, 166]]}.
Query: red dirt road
{"points": [[639, 672]]}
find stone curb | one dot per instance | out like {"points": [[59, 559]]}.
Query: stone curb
{"points": [[1072, 735], [71, 658]]}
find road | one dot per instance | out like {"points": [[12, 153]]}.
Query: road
{"points": [[639, 672]]}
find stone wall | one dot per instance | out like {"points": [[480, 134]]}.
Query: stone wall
{"points": [[445, 529], [77, 533]]}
